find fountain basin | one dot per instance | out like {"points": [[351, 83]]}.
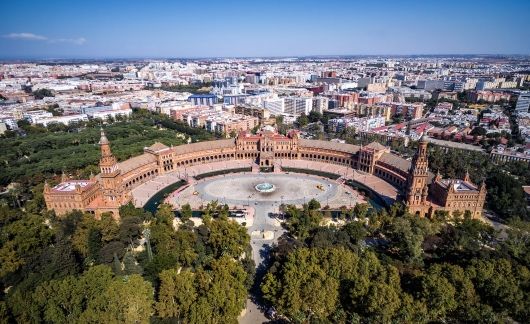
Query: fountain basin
{"points": [[265, 187]]}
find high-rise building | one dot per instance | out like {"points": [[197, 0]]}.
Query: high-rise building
{"points": [[320, 104], [523, 102]]}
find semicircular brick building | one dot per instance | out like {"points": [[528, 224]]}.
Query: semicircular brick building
{"points": [[423, 192]]}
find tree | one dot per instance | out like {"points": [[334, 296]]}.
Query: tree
{"points": [[464, 238], [61, 301], [407, 235], [356, 231], [185, 213], [129, 210], [162, 231], [214, 294], [21, 240], [517, 245], [111, 251], [96, 296], [438, 294], [505, 195], [59, 260], [130, 229], [315, 284], [41, 93], [314, 116], [313, 204], [130, 265], [502, 285], [478, 131], [126, 300], [349, 134], [302, 120], [108, 227], [87, 236], [177, 294], [301, 222], [226, 292], [226, 237], [360, 210]]}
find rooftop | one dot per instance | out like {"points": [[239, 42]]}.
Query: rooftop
{"points": [[458, 185], [70, 185], [157, 147]]}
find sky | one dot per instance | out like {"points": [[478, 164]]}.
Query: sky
{"points": [[39, 29]]}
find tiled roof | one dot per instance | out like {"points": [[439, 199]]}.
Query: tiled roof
{"points": [[157, 147], [136, 162], [349, 148], [376, 146], [203, 146], [395, 161]]}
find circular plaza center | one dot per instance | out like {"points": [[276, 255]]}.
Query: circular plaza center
{"points": [[265, 187], [286, 188]]}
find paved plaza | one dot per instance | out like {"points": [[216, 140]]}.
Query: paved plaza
{"points": [[239, 189]]}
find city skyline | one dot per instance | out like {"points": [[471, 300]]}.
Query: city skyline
{"points": [[35, 30]]}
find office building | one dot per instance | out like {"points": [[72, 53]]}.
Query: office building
{"points": [[523, 102]]}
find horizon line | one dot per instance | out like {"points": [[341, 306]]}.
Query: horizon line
{"points": [[51, 58]]}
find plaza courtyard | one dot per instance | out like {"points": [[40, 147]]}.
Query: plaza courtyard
{"points": [[240, 189]]}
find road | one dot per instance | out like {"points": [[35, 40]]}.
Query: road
{"points": [[260, 253]]}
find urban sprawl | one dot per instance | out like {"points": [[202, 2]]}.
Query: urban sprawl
{"points": [[469, 103]]}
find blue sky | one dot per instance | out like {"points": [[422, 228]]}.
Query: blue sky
{"points": [[131, 28]]}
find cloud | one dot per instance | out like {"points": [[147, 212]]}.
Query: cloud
{"points": [[25, 36], [76, 41], [35, 37]]}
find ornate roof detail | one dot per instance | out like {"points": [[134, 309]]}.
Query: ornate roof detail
{"points": [[103, 139]]}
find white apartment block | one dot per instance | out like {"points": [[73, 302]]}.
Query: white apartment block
{"points": [[34, 115], [275, 106], [320, 104], [66, 120], [105, 114], [298, 105]]}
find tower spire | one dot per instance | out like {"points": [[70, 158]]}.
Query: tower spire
{"points": [[466, 176], [104, 144], [417, 190], [107, 163], [111, 180], [438, 176]]}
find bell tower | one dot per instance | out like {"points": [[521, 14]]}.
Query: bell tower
{"points": [[417, 189], [110, 174]]}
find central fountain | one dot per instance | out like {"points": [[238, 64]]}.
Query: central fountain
{"points": [[265, 187]]}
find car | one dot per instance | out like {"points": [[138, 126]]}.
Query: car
{"points": [[271, 313]]}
